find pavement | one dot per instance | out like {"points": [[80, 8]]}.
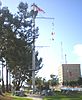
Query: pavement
{"points": [[35, 96]]}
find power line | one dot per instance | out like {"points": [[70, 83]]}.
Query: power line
{"points": [[41, 46], [45, 18]]}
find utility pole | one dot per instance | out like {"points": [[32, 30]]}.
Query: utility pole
{"points": [[33, 58], [33, 14]]}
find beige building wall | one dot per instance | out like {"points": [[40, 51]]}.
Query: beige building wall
{"points": [[69, 72]]}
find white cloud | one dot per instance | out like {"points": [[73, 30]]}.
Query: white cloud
{"points": [[78, 50]]}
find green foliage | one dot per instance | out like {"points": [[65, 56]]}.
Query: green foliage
{"points": [[54, 80], [39, 83], [16, 39], [79, 81], [73, 83]]}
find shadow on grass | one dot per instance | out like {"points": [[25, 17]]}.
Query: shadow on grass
{"points": [[3, 97]]}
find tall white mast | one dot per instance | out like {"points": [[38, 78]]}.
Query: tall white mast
{"points": [[0, 4], [62, 53]]}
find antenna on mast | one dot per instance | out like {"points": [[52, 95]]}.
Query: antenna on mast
{"points": [[65, 59]]}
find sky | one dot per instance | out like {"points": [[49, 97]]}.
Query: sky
{"points": [[67, 26]]}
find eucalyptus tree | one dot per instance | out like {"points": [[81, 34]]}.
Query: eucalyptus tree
{"points": [[16, 38], [5, 33], [25, 32]]}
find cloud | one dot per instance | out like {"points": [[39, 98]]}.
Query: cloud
{"points": [[78, 50]]}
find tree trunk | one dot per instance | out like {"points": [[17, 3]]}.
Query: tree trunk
{"points": [[17, 88], [6, 79], [3, 88]]}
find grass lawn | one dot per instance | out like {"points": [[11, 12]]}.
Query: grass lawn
{"points": [[13, 98], [59, 96], [9, 97], [20, 98]]}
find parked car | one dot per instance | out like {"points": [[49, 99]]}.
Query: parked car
{"points": [[48, 92], [44, 92]]}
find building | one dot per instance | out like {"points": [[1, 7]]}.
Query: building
{"points": [[69, 72]]}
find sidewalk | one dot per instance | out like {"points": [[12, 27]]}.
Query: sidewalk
{"points": [[35, 96]]}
